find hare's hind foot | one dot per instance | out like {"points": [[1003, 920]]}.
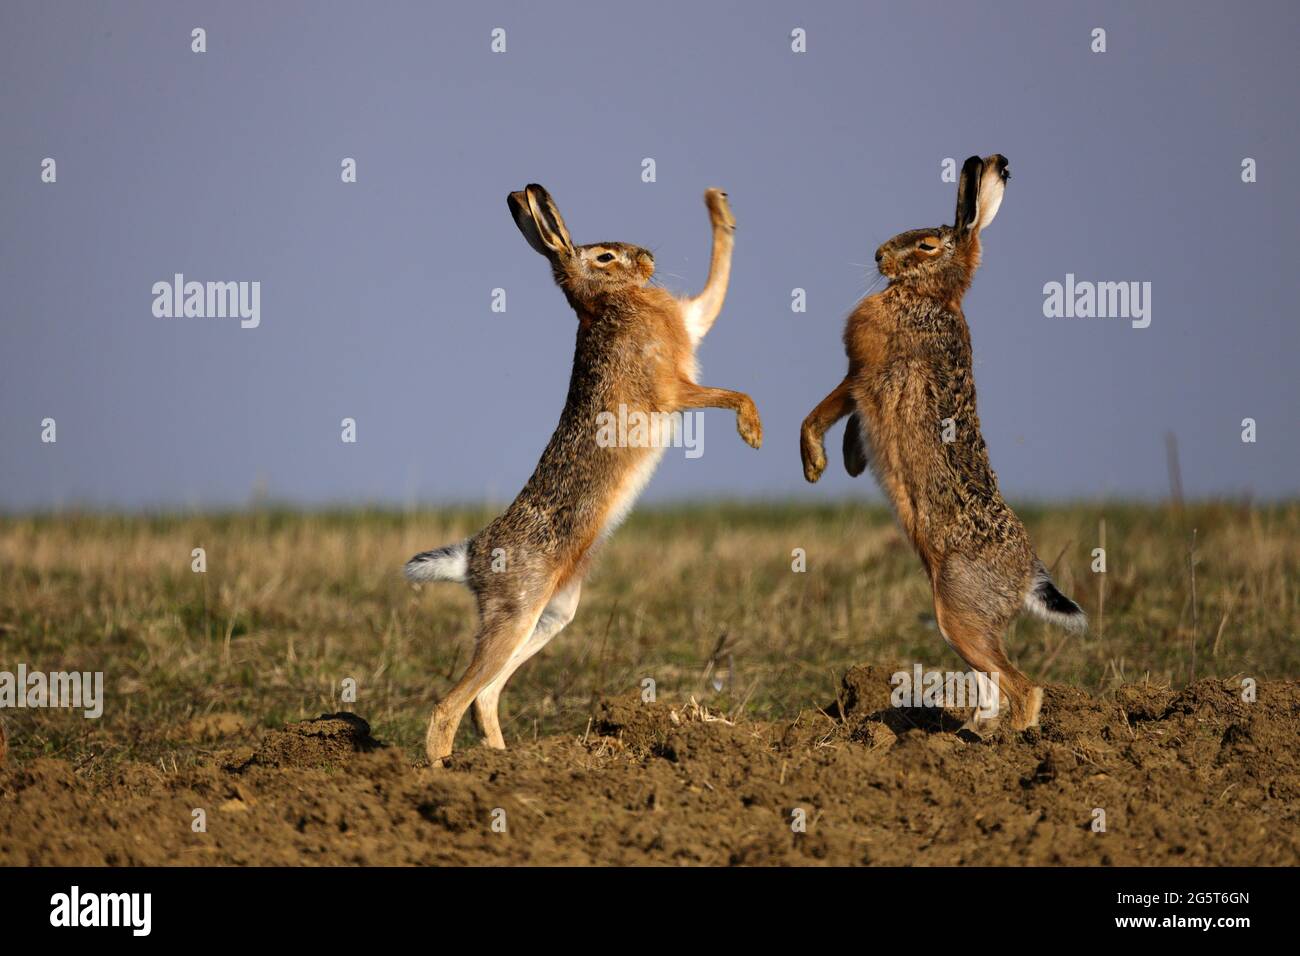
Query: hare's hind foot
{"points": [[439, 738], [1020, 715], [558, 613], [486, 720], [505, 627], [1027, 715], [977, 638], [982, 726]]}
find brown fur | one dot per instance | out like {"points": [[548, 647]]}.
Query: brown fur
{"points": [[910, 368], [635, 347]]}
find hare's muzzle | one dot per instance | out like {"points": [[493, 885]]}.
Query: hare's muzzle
{"points": [[884, 263]]}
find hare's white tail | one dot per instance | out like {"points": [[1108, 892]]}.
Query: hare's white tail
{"points": [[441, 564], [1045, 601]]}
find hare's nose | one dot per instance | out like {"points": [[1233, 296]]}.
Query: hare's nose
{"points": [[879, 255]]}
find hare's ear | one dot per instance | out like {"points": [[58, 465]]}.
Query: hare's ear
{"points": [[968, 188], [993, 183], [979, 193], [539, 219]]}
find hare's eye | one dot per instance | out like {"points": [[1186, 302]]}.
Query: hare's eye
{"points": [[928, 247], [605, 257]]}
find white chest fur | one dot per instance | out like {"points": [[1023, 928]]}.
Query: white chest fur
{"points": [[633, 484]]}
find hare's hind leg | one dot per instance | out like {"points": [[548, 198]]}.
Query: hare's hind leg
{"points": [[978, 639], [558, 613], [504, 628]]}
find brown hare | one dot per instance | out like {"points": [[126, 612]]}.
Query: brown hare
{"points": [[635, 350], [910, 398]]}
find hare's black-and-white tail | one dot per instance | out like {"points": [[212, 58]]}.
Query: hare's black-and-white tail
{"points": [[441, 564], [1045, 601]]}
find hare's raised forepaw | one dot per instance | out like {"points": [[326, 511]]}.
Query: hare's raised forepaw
{"points": [[814, 456], [750, 425], [719, 209]]}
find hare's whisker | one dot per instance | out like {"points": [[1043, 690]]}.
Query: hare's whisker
{"points": [[871, 287]]}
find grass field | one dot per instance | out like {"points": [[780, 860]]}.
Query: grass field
{"points": [[773, 697], [292, 604]]}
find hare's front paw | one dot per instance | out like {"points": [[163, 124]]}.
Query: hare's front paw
{"points": [[813, 454], [719, 209], [750, 425]]}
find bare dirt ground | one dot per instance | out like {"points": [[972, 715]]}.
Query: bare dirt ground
{"points": [[1197, 776]]}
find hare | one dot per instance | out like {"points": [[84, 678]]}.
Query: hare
{"points": [[636, 351], [910, 398]]}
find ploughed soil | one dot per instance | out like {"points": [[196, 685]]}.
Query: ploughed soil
{"points": [[1150, 776]]}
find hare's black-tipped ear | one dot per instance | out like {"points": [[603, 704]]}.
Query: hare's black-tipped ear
{"points": [[518, 203], [547, 216], [968, 188], [993, 182], [538, 218], [979, 192]]}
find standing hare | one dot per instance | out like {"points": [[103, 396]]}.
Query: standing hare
{"points": [[636, 352], [910, 398]]}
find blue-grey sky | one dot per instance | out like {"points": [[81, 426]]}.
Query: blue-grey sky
{"points": [[375, 296]]}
